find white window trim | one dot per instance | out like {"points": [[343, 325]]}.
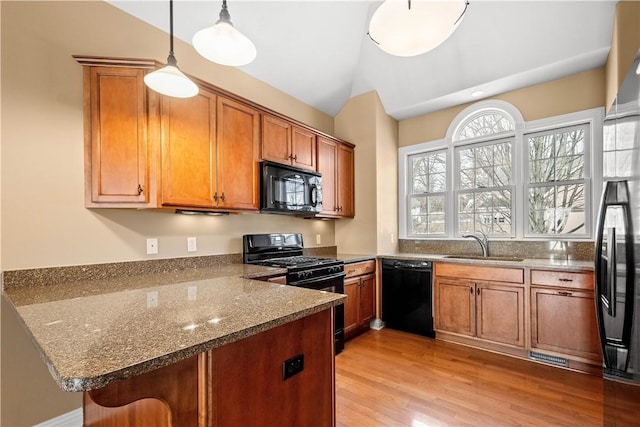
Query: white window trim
{"points": [[593, 117]]}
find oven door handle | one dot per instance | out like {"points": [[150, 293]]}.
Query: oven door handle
{"points": [[318, 279]]}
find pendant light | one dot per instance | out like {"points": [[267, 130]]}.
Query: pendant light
{"points": [[410, 28], [169, 80], [223, 44]]}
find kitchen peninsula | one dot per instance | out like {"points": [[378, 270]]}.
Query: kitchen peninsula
{"points": [[205, 346]]}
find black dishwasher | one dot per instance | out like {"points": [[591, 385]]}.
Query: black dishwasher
{"points": [[407, 296]]}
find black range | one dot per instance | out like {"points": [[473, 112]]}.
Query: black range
{"points": [[285, 250]]}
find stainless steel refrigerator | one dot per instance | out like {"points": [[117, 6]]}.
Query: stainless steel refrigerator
{"points": [[617, 256]]}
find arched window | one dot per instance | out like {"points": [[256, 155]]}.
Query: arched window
{"points": [[484, 123]]}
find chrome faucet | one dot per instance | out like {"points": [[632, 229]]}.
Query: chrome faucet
{"points": [[483, 241]]}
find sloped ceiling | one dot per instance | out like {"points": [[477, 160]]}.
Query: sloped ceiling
{"points": [[319, 51]]}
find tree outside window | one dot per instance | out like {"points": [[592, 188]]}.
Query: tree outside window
{"points": [[556, 181]]}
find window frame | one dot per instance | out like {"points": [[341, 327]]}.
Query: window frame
{"points": [[593, 118], [445, 194]]}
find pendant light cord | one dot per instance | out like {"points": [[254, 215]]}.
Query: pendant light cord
{"points": [[171, 60], [466, 5]]}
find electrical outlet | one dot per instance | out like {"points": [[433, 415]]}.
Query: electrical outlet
{"points": [[152, 246], [292, 366], [192, 244], [318, 239]]}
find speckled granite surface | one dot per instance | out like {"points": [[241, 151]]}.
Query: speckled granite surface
{"points": [[350, 258], [95, 332], [577, 251], [539, 263]]}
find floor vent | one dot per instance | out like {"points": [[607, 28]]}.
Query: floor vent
{"points": [[549, 359]]}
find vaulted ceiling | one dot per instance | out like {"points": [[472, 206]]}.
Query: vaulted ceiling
{"points": [[319, 51]]}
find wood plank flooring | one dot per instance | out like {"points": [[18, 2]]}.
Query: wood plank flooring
{"points": [[392, 378]]}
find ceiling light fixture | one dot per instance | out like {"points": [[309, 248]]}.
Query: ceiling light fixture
{"points": [[223, 44], [413, 27], [169, 80]]}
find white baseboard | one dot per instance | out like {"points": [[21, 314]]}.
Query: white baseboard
{"points": [[70, 419]]}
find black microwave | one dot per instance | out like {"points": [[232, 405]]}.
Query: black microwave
{"points": [[285, 189]]}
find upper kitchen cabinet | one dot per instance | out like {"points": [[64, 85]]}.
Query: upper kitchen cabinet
{"points": [[189, 150], [284, 142], [335, 163], [238, 139], [116, 143], [209, 153]]}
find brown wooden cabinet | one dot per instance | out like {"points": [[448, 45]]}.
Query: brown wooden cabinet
{"points": [[563, 319], [336, 164], [486, 310], [116, 144], [209, 153], [483, 303], [238, 139], [360, 288], [189, 150], [144, 150], [284, 142]]}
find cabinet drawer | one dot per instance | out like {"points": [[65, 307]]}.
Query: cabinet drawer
{"points": [[562, 279], [480, 272], [360, 268]]}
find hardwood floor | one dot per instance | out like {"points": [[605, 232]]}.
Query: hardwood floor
{"points": [[392, 378]]}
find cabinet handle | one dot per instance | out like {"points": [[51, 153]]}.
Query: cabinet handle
{"points": [[566, 280], [368, 267], [222, 197], [295, 158], [215, 197], [471, 289], [139, 189], [565, 294], [351, 271], [477, 291]]}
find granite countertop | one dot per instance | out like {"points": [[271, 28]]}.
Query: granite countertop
{"points": [[95, 332], [350, 258], [539, 263]]}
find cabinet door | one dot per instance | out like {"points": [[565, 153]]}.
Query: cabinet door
{"points": [[455, 306], [500, 313], [564, 320], [327, 166], [237, 155], [116, 136], [188, 150], [345, 174], [303, 148], [276, 139], [367, 299], [352, 305]]}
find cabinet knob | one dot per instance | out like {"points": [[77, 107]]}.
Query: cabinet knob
{"points": [[222, 197], [215, 197]]}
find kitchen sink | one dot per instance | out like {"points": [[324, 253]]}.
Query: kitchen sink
{"points": [[487, 258]]}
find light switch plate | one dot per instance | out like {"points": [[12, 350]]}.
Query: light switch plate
{"points": [[192, 244]]}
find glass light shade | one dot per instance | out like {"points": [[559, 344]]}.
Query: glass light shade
{"points": [[170, 81], [223, 44], [401, 31]]}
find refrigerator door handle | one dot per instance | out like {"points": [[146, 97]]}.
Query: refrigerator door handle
{"points": [[615, 350]]}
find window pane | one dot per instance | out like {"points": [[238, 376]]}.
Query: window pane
{"points": [[438, 183], [420, 183], [436, 205], [466, 202], [436, 224], [486, 123]]}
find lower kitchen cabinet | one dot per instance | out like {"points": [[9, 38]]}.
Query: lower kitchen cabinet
{"points": [[233, 385], [360, 288], [563, 318], [484, 310]]}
